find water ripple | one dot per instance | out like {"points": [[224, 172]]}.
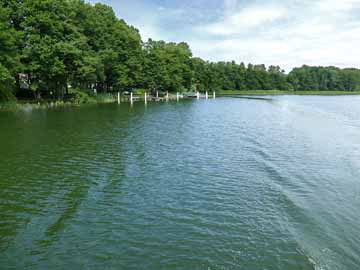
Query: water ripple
{"points": [[224, 184]]}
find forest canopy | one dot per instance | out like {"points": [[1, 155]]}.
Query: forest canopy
{"points": [[49, 46]]}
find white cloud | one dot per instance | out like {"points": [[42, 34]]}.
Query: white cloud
{"points": [[288, 33], [322, 32], [148, 31], [229, 6], [337, 5], [245, 19]]}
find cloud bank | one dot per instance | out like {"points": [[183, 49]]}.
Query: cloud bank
{"points": [[286, 33]]}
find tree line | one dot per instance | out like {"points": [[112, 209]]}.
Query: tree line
{"points": [[49, 46]]}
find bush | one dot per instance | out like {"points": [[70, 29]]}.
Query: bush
{"points": [[6, 95], [6, 83], [77, 97], [105, 98]]}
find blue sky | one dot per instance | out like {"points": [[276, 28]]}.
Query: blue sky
{"points": [[286, 33]]}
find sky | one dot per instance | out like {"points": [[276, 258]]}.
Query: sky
{"points": [[288, 33]]}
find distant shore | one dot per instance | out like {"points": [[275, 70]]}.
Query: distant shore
{"points": [[26, 105], [283, 93]]}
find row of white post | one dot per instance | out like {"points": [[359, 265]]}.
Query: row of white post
{"points": [[166, 97], [206, 95]]}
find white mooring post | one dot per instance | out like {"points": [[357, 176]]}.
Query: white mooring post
{"points": [[207, 95], [198, 95], [177, 96], [157, 94], [131, 98], [214, 95], [118, 98], [167, 95], [145, 98]]}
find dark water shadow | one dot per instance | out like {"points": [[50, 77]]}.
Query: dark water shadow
{"points": [[74, 200]]}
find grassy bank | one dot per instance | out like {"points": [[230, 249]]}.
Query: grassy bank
{"points": [[77, 98], [278, 92], [31, 105]]}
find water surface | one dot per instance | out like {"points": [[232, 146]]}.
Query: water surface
{"points": [[219, 184]]}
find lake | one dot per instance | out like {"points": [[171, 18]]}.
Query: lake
{"points": [[211, 184]]}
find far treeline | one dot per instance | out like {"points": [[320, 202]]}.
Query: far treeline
{"points": [[49, 48]]}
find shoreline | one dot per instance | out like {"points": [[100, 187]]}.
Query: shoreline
{"points": [[286, 93], [28, 105]]}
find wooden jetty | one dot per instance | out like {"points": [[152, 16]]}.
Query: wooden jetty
{"points": [[146, 97]]}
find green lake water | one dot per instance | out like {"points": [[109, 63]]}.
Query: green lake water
{"points": [[212, 184]]}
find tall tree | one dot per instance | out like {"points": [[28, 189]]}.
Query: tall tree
{"points": [[9, 57], [167, 66]]}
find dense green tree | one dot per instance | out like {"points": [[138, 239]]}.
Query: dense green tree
{"points": [[309, 78], [50, 46], [167, 66], [9, 57], [117, 45], [278, 79]]}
